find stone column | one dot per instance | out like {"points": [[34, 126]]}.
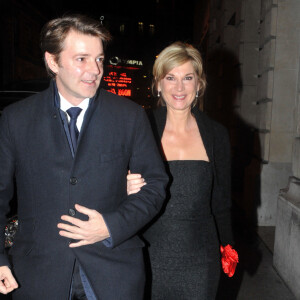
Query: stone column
{"points": [[287, 234]]}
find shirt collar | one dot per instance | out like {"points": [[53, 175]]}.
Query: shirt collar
{"points": [[57, 96], [65, 104]]}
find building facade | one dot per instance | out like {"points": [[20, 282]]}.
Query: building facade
{"points": [[253, 66]]}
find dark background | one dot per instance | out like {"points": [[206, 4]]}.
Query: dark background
{"points": [[140, 30]]}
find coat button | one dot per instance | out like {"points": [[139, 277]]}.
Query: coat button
{"points": [[72, 212], [73, 180]]}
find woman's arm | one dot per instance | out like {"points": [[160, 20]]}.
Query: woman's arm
{"points": [[221, 195]]}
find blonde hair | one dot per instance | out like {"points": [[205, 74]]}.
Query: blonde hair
{"points": [[173, 56]]}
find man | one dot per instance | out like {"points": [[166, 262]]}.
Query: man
{"points": [[77, 226]]}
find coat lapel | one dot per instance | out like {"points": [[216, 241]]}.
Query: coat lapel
{"points": [[159, 117], [95, 132], [205, 131], [94, 103]]}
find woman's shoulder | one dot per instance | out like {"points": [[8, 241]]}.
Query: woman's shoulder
{"points": [[216, 128], [206, 119]]}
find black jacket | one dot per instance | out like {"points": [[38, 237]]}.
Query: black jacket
{"points": [[216, 143]]}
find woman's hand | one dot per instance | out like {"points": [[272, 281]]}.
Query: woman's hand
{"points": [[134, 183]]}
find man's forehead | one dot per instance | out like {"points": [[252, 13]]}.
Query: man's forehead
{"points": [[74, 37]]}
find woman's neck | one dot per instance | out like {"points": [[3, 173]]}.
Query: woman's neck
{"points": [[179, 120]]}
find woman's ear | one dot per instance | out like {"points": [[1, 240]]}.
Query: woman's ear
{"points": [[198, 87], [158, 87]]}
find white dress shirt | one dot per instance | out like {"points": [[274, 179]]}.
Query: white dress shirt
{"points": [[65, 105]]}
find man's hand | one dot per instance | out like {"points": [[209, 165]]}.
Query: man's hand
{"points": [[7, 280], [86, 232]]}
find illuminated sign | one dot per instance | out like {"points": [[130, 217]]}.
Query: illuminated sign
{"points": [[116, 61], [118, 83], [123, 76]]}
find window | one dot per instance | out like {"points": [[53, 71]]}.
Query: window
{"points": [[151, 29], [141, 26]]}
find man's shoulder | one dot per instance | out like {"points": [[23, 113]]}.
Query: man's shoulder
{"points": [[26, 104]]}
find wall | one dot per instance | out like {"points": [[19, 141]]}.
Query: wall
{"points": [[253, 66], [287, 235]]}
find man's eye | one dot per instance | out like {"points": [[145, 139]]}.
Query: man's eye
{"points": [[100, 59], [80, 59]]}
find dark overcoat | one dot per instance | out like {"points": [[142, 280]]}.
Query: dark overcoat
{"points": [[35, 154]]}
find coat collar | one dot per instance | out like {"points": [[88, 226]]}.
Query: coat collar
{"points": [[203, 122], [53, 94], [52, 100]]}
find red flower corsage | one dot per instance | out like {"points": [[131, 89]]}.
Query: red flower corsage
{"points": [[229, 260]]}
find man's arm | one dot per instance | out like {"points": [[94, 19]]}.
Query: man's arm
{"points": [[137, 210], [7, 281], [140, 208]]}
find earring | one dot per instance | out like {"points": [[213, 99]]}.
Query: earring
{"points": [[158, 94], [197, 94]]}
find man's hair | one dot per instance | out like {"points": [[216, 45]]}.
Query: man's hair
{"points": [[173, 56], [55, 32]]}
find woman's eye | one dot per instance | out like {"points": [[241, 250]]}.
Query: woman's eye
{"points": [[170, 78], [80, 59], [189, 78], [100, 59]]}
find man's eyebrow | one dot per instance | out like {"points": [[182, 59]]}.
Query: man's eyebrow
{"points": [[86, 54]]}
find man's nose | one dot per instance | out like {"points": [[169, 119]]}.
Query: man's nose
{"points": [[95, 67]]}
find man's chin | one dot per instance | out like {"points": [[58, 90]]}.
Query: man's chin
{"points": [[90, 94]]}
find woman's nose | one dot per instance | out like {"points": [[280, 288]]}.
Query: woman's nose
{"points": [[180, 85]]}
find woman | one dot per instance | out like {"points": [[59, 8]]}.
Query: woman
{"points": [[184, 240]]}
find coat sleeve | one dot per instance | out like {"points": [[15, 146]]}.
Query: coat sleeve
{"points": [[7, 167], [138, 209], [221, 195]]}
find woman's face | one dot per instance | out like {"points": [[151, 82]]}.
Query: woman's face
{"points": [[179, 87]]}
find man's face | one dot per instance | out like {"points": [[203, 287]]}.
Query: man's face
{"points": [[80, 66]]}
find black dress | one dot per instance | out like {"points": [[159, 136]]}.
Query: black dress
{"points": [[183, 241]]}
